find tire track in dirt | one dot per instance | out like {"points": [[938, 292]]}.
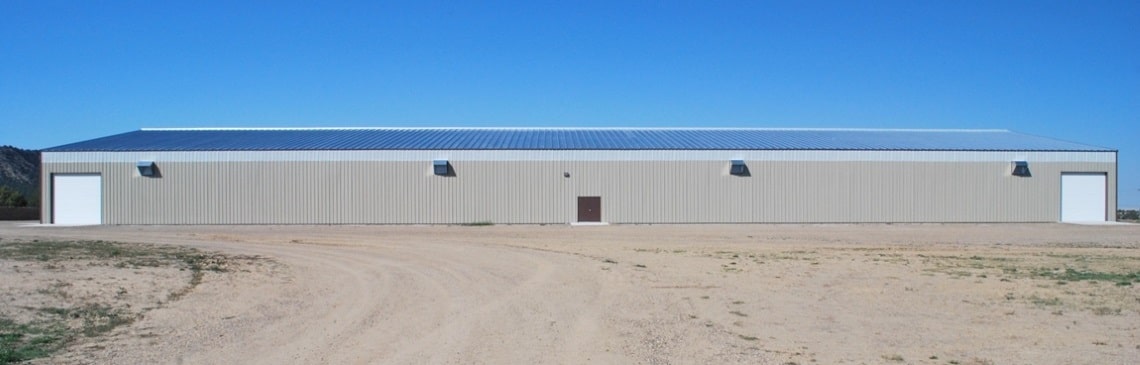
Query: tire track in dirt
{"points": [[347, 302]]}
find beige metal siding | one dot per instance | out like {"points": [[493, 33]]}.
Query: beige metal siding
{"points": [[370, 192]]}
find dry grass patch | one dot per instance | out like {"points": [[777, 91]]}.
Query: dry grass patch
{"points": [[61, 291]]}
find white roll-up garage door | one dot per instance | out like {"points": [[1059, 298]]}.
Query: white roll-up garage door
{"points": [[1083, 197], [77, 199]]}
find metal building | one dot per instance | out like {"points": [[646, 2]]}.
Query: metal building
{"points": [[561, 175]]}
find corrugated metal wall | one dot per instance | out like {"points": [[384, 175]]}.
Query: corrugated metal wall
{"points": [[370, 192]]}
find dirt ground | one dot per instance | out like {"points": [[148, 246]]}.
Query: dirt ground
{"points": [[630, 294]]}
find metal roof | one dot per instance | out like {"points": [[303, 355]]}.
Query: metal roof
{"points": [[313, 139]]}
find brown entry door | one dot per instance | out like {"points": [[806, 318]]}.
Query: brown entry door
{"points": [[589, 209]]}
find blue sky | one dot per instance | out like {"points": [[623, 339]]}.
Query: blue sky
{"points": [[74, 70]]}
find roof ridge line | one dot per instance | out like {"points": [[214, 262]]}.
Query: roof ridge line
{"points": [[570, 128]]}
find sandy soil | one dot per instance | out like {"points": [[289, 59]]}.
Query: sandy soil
{"points": [[660, 294]]}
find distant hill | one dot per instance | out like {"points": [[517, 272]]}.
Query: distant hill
{"points": [[20, 171]]}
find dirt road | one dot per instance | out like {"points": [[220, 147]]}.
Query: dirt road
{"points": [[755, 294]]}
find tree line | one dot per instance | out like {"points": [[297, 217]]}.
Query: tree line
{"points": [[12, 198]]}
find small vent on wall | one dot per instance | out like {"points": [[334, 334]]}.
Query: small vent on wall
{"points": [[738, 168], [1021, 168], [146, 168], [441, 167]]}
